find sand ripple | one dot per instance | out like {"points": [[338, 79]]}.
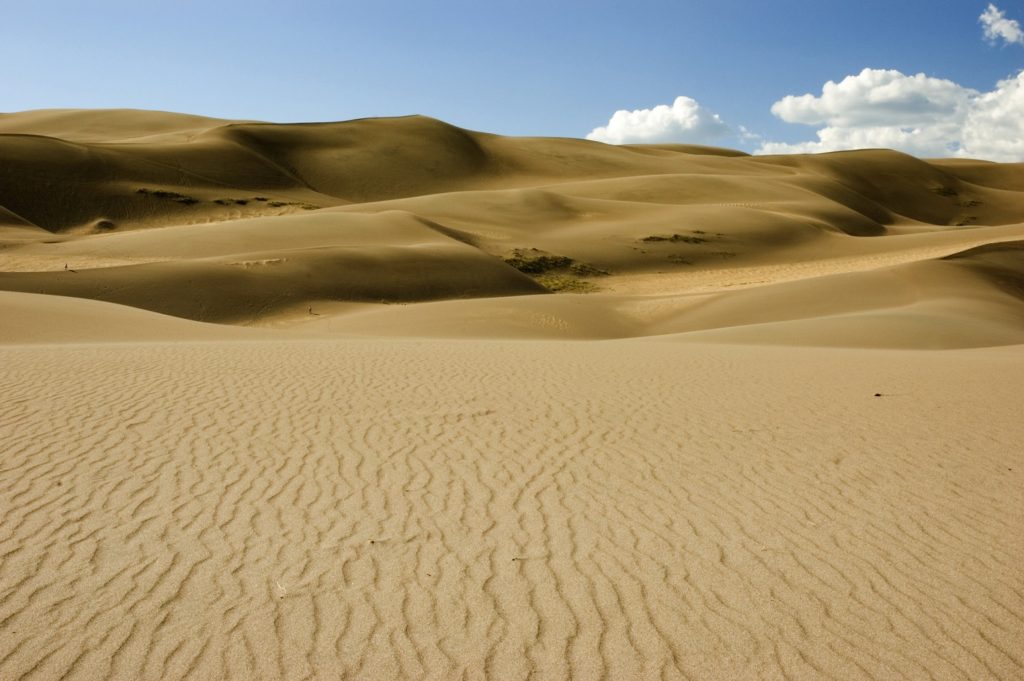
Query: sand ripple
{"points": [[629, 510]]}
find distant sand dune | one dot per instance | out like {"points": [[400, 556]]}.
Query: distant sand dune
{"points": [[157, 211], [389, 399]]}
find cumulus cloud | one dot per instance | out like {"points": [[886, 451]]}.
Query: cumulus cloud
{"points": [[684, 121], [877, 97], [918, 114], [748, 135], [994, 128], [997, 27]]}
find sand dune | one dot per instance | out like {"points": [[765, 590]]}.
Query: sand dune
{"points": [[257, 220], [344, 509], [391, 399]]}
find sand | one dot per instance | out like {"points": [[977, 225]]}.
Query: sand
{"points": [[465, 406]]}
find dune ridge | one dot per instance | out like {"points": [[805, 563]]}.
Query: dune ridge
{"points": [[387, 398], [246, 222]]}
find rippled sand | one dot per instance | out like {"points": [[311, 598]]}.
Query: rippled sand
{"points": [[509, 510]]}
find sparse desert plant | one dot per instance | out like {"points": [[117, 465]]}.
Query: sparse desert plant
{"points": [[535, 261], [555, 272], [559, 283], [582, 269], [164, 194], [558, 273], [676, 238], [282, 204]]}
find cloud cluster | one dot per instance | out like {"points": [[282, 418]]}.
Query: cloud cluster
{"points": [[684, 121], [877, 97], [917, 114], [994, 128], [876, 108], [998, 27]]}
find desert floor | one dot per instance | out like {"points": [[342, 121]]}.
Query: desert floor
{"points": [[390, 399]]}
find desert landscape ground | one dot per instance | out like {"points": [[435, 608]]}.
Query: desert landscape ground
{"points": [[387, 398]]}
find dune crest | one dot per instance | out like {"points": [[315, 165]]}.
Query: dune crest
{"points": [[157, 210]]}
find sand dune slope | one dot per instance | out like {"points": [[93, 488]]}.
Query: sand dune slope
{"points": [[33, 318], [971, 298], [479, 407], [107, 125], [376, 510], [95, 162], [246, 223], [240, 271]]}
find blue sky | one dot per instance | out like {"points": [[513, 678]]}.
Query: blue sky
{"points": [[520, 68]]}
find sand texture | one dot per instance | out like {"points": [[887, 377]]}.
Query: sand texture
{"points": [[390, 399]]}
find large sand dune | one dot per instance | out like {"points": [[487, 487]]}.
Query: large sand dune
{"points": [[392, 399]]}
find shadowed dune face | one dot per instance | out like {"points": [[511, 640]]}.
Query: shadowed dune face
{"points": [[243, 222], [1001, 263]]}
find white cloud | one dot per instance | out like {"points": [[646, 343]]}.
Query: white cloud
{"points": [[917, 114], [748, 135], [998, 27], [684, 121], [877, 97], [994, 128]]}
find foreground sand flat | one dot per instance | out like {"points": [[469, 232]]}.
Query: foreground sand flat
{"points": [[510, 510]]}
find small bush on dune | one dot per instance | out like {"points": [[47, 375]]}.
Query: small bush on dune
{"points": [[557, 273], [558, 283], [536, 262], [164, 194]]}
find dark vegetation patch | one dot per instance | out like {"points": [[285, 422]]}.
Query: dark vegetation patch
{"points": [[173, 196], [676, 238], [582, 269], [536, 262], [559, 283], [189, 200], [693, 236], [557, 273], [303, 206]]}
